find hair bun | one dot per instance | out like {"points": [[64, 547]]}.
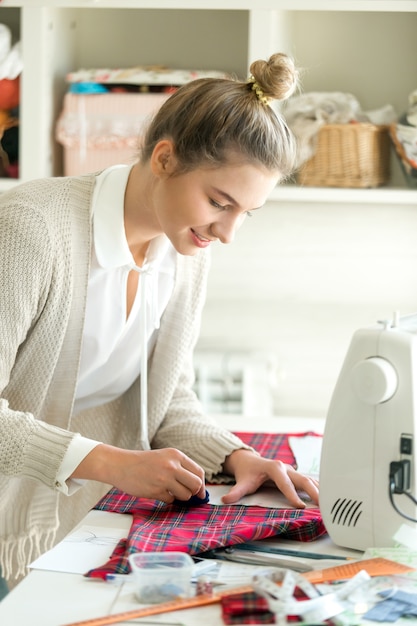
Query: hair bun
{"points": [[277, 77]]}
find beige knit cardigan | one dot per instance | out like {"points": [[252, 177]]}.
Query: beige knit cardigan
{"points": [[45, 246]]}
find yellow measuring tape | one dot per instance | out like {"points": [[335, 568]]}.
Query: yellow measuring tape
{"points": [[163, 607]]}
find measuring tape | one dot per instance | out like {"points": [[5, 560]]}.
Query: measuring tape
{"points": [[163, 607]]}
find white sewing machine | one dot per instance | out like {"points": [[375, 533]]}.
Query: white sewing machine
{"points": [[368, 471]]}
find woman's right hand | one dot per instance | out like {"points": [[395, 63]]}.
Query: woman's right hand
{"points": [[165, 474]]}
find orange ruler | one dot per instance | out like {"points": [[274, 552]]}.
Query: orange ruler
{"points": [[374, 567], [163, 607]]}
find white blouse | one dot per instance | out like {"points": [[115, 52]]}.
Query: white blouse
{"points": [[113, 342]]}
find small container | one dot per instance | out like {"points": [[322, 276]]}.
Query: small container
{"points": [[161, 576]]}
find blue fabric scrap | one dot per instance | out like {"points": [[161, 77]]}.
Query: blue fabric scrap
{"points": [[400, 604]]}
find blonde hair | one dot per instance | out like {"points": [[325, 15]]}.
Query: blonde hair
{"points": [[208, 118]]}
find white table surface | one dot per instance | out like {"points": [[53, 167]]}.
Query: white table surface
{"points": [[50, 598]]}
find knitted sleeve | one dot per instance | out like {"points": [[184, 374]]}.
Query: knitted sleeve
{"points": [[28, 291], [187, 428], [25, 270], [25, 442]]}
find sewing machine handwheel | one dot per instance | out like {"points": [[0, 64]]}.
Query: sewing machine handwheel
{"points": [[374, 380]]}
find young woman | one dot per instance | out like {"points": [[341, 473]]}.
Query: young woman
{"points": [[102, 285]]}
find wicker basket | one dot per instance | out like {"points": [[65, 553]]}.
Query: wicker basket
{"points": [[348, 155]]}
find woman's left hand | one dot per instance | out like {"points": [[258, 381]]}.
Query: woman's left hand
{"points": [[251, 471]]}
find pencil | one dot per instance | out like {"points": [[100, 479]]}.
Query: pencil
{"points": [[259, 547]]}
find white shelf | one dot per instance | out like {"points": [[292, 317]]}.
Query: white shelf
{"points": [[382, 195], [366, 47], [245, 5]]}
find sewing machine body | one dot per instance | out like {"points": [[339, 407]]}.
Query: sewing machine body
{"points": [[371, 423]]}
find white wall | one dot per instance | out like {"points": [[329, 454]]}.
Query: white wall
{"points": [[362, 53], [300, 279]]}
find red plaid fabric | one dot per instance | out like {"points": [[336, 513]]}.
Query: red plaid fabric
{"points": [[252, 608], [246, 608], [158, 526]]}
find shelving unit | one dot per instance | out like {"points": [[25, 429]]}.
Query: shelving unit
{"points": [[366, 47]]}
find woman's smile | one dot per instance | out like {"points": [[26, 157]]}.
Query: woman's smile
{"points": [[199, 240]]}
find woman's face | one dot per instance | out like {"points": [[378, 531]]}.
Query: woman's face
{"points": [[205, 205]]}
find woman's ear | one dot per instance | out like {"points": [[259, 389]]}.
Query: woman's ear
{"points": [[163, 161]]}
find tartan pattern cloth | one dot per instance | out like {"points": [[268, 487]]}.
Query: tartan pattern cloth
{"points": [[246, 608], [251, 608], [158, 526]]}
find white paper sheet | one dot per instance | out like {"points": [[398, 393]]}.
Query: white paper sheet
{"points": [[85, 548], [268, 497], [307, 452]]}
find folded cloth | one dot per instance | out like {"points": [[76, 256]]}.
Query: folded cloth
{"points": [[251, 608], [398, 604], [246, 608], [158, 526]]}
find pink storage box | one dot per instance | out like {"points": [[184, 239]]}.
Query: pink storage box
{"points": [[99, 130]]}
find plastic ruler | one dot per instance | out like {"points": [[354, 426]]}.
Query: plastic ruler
{"points": [[163, 607], [374, 567]]}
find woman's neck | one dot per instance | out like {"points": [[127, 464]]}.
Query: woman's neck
{"points": [[139, 219]]}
